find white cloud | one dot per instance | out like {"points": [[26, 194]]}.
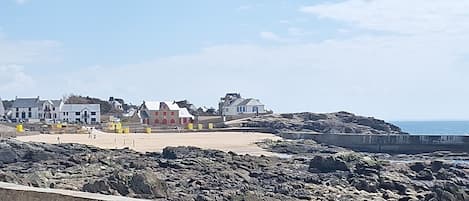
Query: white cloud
{"points": [[17, 58], [297, 32], [400, 16], [244, 7], [21, 2], [23, 52], [267, 35], [13, 78]]}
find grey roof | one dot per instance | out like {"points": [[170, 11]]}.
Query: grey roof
{"points": [[234, 102], [56, 102], [250, 101], [243, 102], [26, 102]]}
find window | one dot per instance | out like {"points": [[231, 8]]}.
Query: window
{"points": [[77, 120], [184, 120], [241, 109], [172, 113], [55, 116], [17, 114], [29, 115], [17, 109], [157, 121], [172, 121], [64, 113], [77, 113], [164, 113], [156, 113], [93, 119], [255, 109], [53, 109], [93, 113], [165, 121], [29, 109]]}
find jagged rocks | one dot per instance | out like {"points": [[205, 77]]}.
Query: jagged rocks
{"points": [[330, 123], [188, 173]]}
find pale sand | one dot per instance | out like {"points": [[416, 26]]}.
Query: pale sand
{"points": [[238, 142]]}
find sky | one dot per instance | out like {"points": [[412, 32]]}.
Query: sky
{"points": [[391, 59]]}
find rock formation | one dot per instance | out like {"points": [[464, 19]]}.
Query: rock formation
{"points": [[330, 123], [189, 173]]}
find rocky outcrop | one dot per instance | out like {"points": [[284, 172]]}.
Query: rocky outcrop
{"points": [[332, 123], [190, 173]]}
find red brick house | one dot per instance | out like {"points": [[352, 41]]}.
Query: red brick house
{"points": [[164, 114]]}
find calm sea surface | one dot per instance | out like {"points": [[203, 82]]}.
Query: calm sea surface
{"points": [[434, 127]]}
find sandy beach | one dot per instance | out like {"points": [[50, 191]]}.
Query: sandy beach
{"points": [[238, 142]]}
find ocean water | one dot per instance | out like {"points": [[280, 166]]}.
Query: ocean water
{"points": [[434, 127]]}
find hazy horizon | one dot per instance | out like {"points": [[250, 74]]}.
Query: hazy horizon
{"points": [[391, 59]]}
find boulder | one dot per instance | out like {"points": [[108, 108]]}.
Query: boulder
{"points": [[327, 164], [100, 186], [148, 183], [7, 155]]}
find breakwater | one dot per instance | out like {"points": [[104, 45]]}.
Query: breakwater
{"points": [[407, 144]]}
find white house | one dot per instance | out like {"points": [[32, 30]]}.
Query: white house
{"points": [[54, 111], [26, 109], [81, 113], [233, 104], [49, 110]]}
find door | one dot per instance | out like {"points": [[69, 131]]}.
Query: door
{"points": [[85, 117]]}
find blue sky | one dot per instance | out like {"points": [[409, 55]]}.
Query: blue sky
{"points": [[393, 59]]}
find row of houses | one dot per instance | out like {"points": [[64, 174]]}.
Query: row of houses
{"points": [[154, 113], [170, 113], [55, 111]]}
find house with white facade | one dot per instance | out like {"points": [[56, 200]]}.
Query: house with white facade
{"points": [[49, 110], [233, 104], [165, 114], [54, 111], [81, 113], [26, 109]]}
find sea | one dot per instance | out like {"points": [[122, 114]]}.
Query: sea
{"points": [[434, 127]]}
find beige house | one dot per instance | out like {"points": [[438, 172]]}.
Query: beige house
{"points": [[164, 114]]}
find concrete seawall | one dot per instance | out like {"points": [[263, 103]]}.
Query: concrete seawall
{"points": [[14, 192], [389, 143]]}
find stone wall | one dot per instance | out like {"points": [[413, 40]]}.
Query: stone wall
{"points": [[14, 192], [389, 143]]}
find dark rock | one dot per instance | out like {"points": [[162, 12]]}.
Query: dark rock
{"points": [[148, 183], [7, 155], [418, 166], [366, 185], [100, 186], [38, 155], [327, 164], [425, 174]]}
